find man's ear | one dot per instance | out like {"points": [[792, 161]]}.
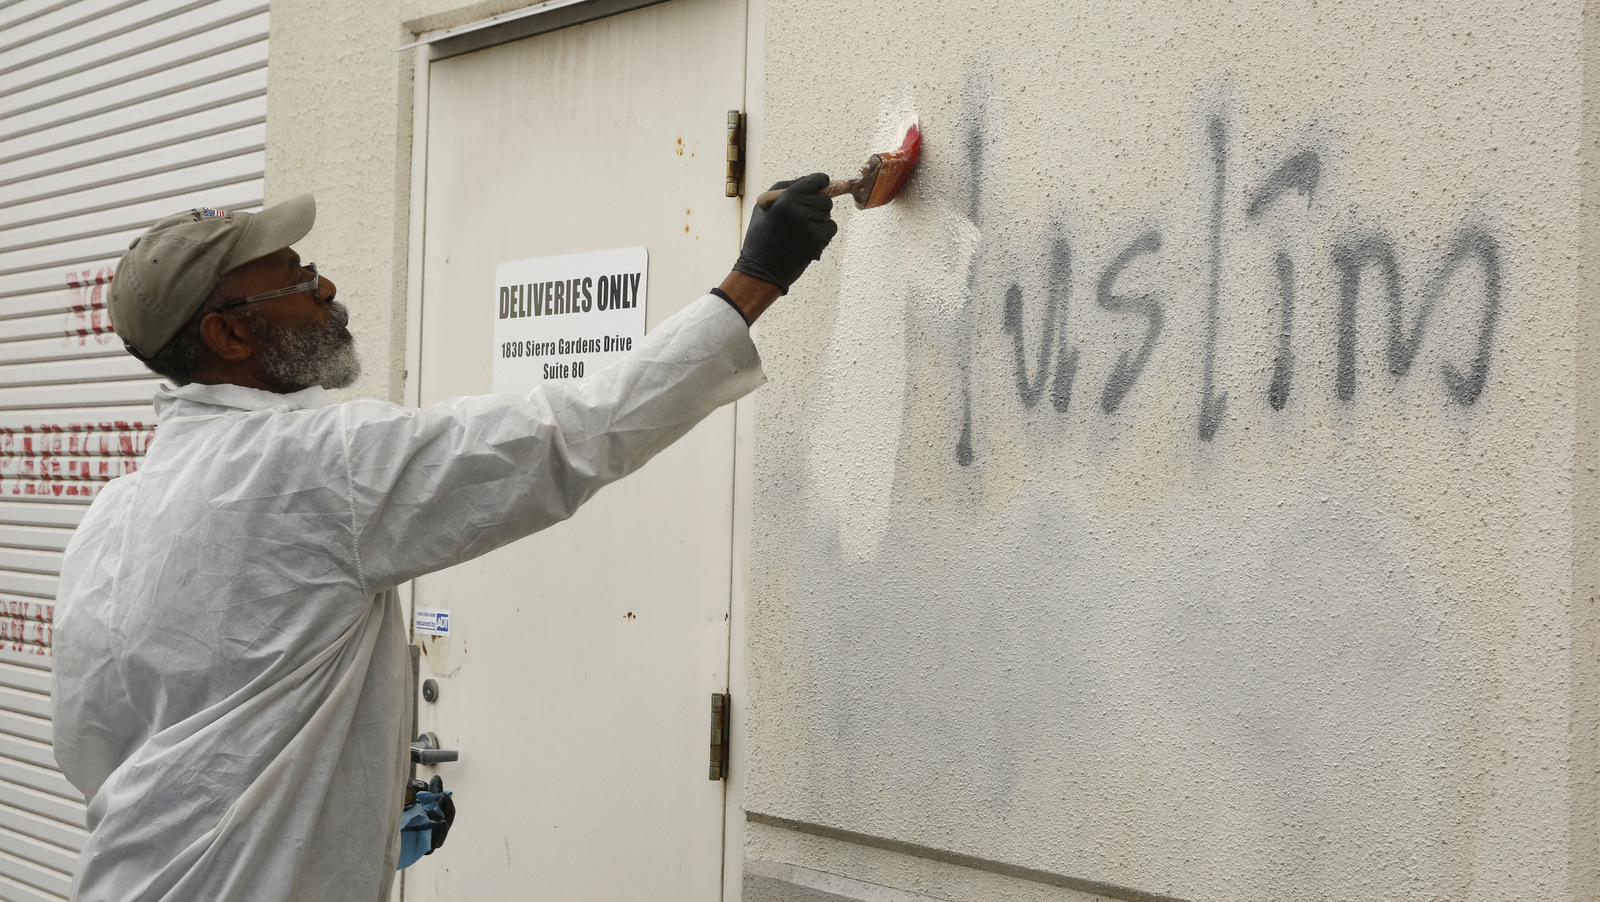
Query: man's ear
{"points": [[228, 338]]}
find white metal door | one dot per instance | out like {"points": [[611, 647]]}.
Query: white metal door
{"points": [[577, 683], [112, 115]]}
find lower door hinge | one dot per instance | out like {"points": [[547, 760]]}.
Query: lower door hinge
{"points": [[721, 705], [735, 186]]}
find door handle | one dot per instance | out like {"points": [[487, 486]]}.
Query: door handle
{"points": [[425, 750]]}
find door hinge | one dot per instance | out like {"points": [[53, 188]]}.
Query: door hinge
{"points": [[721, 704], [735, 186]]}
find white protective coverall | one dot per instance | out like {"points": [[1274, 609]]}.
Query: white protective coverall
{"points": [[231, 676]]}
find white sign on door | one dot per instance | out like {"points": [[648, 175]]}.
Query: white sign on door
{"points": [[566, 317]]}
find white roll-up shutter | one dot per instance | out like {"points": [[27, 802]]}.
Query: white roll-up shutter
{"points": [[113, 113]]}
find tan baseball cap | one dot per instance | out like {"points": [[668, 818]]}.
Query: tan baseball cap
{"points": [[169, 271]]}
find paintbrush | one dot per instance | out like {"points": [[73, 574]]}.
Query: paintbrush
{"points": [[881, 179]]}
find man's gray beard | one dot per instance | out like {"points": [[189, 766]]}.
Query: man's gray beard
{"points": [[314, 355]]}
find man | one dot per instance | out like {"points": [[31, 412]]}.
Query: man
{"points": [[231, 673]]}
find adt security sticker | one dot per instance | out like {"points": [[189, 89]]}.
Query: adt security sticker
{"points": [[432, 622], [562, 318]]}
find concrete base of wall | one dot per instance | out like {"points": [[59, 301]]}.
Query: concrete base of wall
{"points": [[794, 862], [771, 881]]}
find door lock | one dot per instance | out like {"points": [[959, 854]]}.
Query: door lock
{"points": [[425, 750]]}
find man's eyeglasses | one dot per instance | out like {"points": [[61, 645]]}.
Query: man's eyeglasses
{"points": [[310, 286]]}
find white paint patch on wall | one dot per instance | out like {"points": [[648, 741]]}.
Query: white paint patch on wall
{"points": [[857, 406]]}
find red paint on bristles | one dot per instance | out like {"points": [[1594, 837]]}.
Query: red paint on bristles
{"points": [[896, 167]]}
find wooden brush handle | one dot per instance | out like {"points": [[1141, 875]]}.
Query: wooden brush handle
{"points": [[835, 188]]}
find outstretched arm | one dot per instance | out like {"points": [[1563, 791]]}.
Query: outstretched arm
{"points": [[437, 486]]}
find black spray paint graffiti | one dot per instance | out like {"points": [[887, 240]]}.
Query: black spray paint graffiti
{"points": [[971, 142], [1059, 292], [1212, 405], [1298, 174], [1355, 259], [1127, 369]]}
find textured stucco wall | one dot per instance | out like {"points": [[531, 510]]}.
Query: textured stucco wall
{"points": [[1177, 489], [339, 125], [1584, 684]]}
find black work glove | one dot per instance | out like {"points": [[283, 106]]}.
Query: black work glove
{"points": [[444, 817], [784, 238], [447, 805]]}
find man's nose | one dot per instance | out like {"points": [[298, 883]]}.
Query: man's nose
{"points": [[326, 290]]}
